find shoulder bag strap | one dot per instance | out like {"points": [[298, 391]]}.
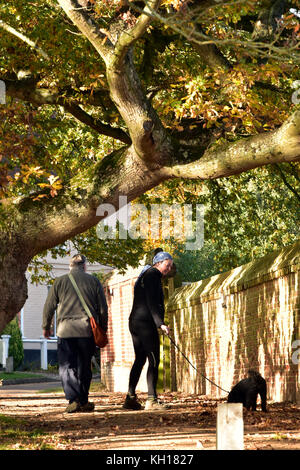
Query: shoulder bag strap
{"points": [[86, 308]]}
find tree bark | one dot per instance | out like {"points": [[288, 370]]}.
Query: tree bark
{"points": [[13, 283], [282, 145]]}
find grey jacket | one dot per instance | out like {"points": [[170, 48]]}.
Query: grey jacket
{"points": [[72, 321]]}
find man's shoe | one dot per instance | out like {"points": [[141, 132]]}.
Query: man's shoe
{"points": [[131, 403], [73, 407], [89, 406], [154, 404]]}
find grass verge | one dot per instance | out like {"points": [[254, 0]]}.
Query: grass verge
{"points": [[16, 375], [17, 434]]}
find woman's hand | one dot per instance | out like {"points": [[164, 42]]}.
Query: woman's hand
{"points": [[165, 329]]}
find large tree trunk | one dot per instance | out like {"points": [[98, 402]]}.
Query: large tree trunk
{"points": [[13, 283]]}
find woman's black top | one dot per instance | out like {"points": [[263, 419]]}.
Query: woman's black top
{"points": [[148, 302]]}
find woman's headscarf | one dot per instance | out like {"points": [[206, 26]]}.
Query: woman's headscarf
{"points": [[161, 256]]}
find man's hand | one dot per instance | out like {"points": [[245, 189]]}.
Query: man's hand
{"points": [[46, 334], [165, 329]]}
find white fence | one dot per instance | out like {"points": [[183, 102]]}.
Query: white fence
{"points": [[4, 345]]}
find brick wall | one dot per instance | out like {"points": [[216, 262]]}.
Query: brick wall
{"points": [[244, 318]]}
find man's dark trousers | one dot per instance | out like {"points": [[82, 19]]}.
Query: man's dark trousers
{"points": [[74, 359]]}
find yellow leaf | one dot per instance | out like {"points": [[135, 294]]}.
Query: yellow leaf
{"points": [[40, 196]]}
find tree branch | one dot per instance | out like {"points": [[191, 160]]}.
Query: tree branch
{"points": [[86, 24], [24, 38], [74, 209], [129, 37], [263, 49], [26, 90], [287, 184], [96, 124], [281, 145], [124, 84], [210, 54]]}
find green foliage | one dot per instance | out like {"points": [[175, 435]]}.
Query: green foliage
{"points": [[15, 342], [117, 253], [246, 216], [193, 265], [113, 252]]}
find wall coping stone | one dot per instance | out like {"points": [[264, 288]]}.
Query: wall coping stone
{"points": [[269, 267]]}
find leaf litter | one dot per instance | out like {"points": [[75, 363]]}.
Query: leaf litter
{"points": [[189, 423]]}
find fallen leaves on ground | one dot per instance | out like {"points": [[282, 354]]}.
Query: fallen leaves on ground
{"points": [[188, 417]]}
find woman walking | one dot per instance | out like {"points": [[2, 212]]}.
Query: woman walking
{"points": [[146, 317]]}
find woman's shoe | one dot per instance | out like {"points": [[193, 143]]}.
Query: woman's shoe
{"points": [[131, 403], [154, 404]]}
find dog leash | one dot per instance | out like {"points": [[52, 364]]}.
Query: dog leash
{"points": [[206, 378]]}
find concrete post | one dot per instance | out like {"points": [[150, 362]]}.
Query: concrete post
{"points": [[44, 353], [230, 426], [5, 347]]}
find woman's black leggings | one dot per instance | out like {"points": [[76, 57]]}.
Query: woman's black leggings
{"points": [[146, 346]]}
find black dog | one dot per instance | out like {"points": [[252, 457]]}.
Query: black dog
{"points": [[246, 391]]}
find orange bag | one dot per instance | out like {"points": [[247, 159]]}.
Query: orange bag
{"points": [[100, 336]]}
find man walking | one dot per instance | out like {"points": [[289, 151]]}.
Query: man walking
{"points": [[75, 343]]}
